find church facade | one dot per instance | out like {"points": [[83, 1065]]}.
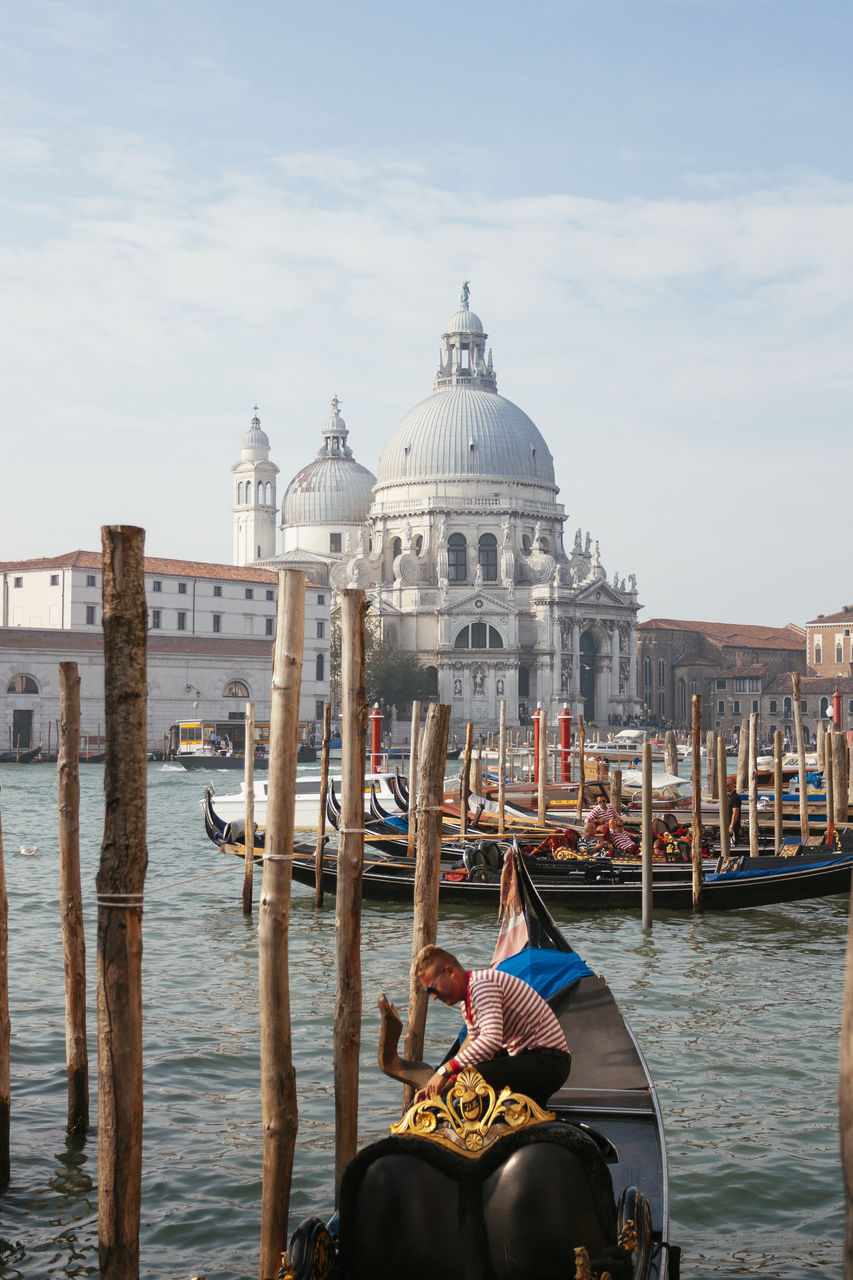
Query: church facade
{"points": [[459, 544]]}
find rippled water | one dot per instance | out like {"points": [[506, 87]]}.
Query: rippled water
{"points": [[738, 1015]]}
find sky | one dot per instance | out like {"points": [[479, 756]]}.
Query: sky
{"points": [[207, 205]]}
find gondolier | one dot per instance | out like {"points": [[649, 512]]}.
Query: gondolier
{"points": [[513, 1036]]}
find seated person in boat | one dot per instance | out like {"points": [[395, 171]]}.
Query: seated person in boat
{"points": [[601, 815], [612, 837], [514, 1038]]}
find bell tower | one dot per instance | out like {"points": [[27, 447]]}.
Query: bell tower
{"points": [[254, 500]]}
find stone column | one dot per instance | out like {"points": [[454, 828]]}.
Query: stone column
{"points": [[614, 663], [632, 665], [576, 659]]}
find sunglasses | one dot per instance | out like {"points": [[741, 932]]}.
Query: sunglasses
{"points": [[431, 991]]}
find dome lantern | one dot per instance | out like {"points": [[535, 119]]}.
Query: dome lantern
{"points": [[463, 362]]}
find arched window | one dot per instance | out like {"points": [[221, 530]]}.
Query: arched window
{"points": [[479, 635], [22, 684], [396, 548], [235, 689], [787, 708], [682, 698], [269, 494], [545, 545], [526, 544], [419, 544], [825, 712], [320, 667], [457, 558], [248, 491], [240, 492], [487, 557]]}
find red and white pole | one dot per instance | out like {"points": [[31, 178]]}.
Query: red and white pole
{"points": [[565, 744], [836, 711], [375, 719], [535, 719]]}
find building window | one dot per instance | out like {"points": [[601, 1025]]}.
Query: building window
{"points": [[235, 689], [250, 593], [269, 626], [217, 591], [479, 635], [321, 628], [457, 558], [736, 707], [838, 651], [524, 682], [19, 582], [818, 652], [647, 672], [156, 585], [182, 622], [319, 710], [156, 619], [755, 705], [487, 557], [694, 688], [22, 684], [772, 706], [182, 588], [720, 684], [396, 548], [90, 615], [54, 582], [721, 708], [321, 599], [334, 544], [270, 594], [805, 706], [661, 672], [320, 667], [217, 622], [788, 709], [90, 580]]}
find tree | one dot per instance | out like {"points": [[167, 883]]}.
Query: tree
{"points": [[393, 677]]}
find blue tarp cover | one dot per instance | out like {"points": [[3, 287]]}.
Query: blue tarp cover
{"points": [[547, 971]]}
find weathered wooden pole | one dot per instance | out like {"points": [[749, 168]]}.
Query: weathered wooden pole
{"points": [[5, 1029], [414, 751], [753, 785], [820, 745], [542, 772], [696, 773], [71, 897], [278, 1079], [324, 795], [427, 869], [347, 1030], [616, 790], [647, 836], [722, 797], [829, 786], [120, 884], [249, 830], [502, 769], [845, 1098], [465, 781], [711, 762], [742, 782], [670, 752], [777, 791], [839, 778], [581, 767], [801, 756]]}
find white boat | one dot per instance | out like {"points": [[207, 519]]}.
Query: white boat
{"points": [[232, 807], [624, 745]]}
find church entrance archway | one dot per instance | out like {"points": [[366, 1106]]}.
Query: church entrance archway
{"points": [[587, 676]]}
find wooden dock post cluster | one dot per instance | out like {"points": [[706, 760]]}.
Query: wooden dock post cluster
{"points": [[249, 826], [71, 897]]}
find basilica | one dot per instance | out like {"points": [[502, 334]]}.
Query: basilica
{"points": [[458, 542]]}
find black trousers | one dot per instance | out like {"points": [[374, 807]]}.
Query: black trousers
{"points": [[536, 1072]]}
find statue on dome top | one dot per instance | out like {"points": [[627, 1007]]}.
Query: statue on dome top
{"points": [[466, 293]]}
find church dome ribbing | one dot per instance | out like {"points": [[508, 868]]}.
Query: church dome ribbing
{"points": [[333, 489]]}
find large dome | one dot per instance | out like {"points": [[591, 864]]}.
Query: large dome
{"points": [[333, 489], [465, 432]]}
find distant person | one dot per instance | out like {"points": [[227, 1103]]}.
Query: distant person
{"points": [[602, 814], [734, 803]]}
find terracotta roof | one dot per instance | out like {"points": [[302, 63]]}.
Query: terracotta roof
{"points": [[153, 564], [694, 660], [843, 615], [811, 684], [733, 633], [740, 673], [57, 641]]}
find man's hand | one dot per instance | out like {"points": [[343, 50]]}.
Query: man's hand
{"points": [[435, 1085]]}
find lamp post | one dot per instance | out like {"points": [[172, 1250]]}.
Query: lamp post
{"points": [[375, 719]]}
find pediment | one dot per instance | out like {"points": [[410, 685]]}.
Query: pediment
{"points": [[599, 594], [481, 604]]}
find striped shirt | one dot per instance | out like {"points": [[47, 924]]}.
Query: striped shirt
{"points": [[622, 839], [602, 812], [504, 1012]]}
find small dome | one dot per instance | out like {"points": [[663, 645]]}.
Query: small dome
{"points": [[255, 437], [464, 321], [330, 491]]}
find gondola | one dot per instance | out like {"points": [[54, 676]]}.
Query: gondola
{"points": [[19, 755], [474, 1185]]}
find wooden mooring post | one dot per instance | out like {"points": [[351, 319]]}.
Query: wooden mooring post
{"points": [[647, 838], [120, 885], [581, 769], [722, 798], [249, 830], [414, 751], [778, 812], [427, 870], [465, 782], [801, 755], [696, 773], [5, 1029], [753, 786], [71, 898], [542, 770], [845, 1099], [502, 769], [278, 1079], [347, 1029], [325, 752]]}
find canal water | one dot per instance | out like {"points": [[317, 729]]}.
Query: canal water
{"points": [[737, 1013]]}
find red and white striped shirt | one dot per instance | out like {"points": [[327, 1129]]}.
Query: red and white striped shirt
{"points": [[504, 1012]]}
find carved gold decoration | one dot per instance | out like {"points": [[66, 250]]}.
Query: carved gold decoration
{"points": [[470, 1116], [628, 1235]]}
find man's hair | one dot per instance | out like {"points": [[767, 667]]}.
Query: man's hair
{"points": [[429, 955]]}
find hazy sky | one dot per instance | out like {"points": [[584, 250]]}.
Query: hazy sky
{"points": [[207, 205]]}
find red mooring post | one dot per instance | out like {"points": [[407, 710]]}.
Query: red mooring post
{"points": [[565, 744], [836, 712], [535, 719], [375, 719]]}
